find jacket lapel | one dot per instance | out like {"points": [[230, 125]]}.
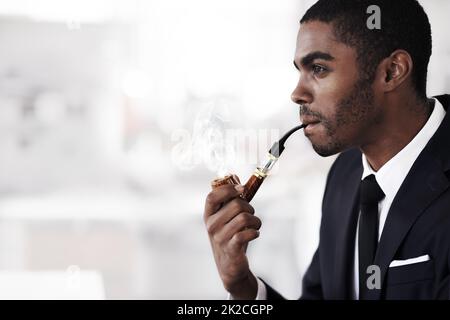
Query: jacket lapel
{"points": [[423, 184]]}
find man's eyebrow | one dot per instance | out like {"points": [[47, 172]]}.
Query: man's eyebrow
{"points": [[310, 57]]}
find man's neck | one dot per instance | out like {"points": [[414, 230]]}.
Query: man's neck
{"points": [[397, 133]]}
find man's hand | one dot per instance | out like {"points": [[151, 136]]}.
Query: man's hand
{"points": [[231, 226]]}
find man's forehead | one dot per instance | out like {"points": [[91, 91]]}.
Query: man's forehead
{"points": [[317, 36], [313, 36]]}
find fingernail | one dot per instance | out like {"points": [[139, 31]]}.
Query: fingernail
{"points": [[239, 188]]}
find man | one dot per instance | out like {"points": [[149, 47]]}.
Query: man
{"points": [[386, 208]]}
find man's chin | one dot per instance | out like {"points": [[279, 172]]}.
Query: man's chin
{"points": [[326, 150]]}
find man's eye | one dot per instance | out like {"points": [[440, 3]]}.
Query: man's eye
{"points": [[318, 70]]}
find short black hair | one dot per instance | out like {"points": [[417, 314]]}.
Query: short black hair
{"points": [[404, 25]]}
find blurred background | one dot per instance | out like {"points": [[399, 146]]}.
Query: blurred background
{"points": [[115, 116]]}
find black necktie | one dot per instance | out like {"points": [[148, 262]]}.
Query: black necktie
{"points": [[370, 195]]}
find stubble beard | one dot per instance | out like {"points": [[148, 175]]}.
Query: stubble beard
{"points": [[357, 109]]}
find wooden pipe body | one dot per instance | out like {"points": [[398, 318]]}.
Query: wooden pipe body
{"points": [[250, 187]]}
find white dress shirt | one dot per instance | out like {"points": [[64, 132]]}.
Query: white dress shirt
{"points": [[390, 177]]}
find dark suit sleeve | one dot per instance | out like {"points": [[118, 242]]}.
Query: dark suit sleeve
{"points": [[272, 294], [312, 282], [312, 287]]}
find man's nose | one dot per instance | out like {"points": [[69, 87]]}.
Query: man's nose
{"points": [[301, 93]]}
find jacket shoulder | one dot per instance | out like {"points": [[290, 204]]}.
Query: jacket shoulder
{"points": [[346, 162], [444, 100]]}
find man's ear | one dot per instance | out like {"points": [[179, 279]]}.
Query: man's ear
{"points": [[394, 70]]}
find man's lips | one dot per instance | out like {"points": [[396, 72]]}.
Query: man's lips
{"points": [[310, 123], [308, 120]]}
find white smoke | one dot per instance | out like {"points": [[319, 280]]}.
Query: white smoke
{"points": [[210, 139]]}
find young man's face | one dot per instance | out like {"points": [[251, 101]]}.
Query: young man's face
{"points": [[331, 92]]}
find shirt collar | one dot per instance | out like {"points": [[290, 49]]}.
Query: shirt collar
{"points": [[392, 174]]}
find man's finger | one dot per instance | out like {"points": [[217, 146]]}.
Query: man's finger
{"points": [[227, 213], [221, 195], [240, 239], [239, 223]]}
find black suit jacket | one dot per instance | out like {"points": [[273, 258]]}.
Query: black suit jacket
{"points": [[418, 223]]}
